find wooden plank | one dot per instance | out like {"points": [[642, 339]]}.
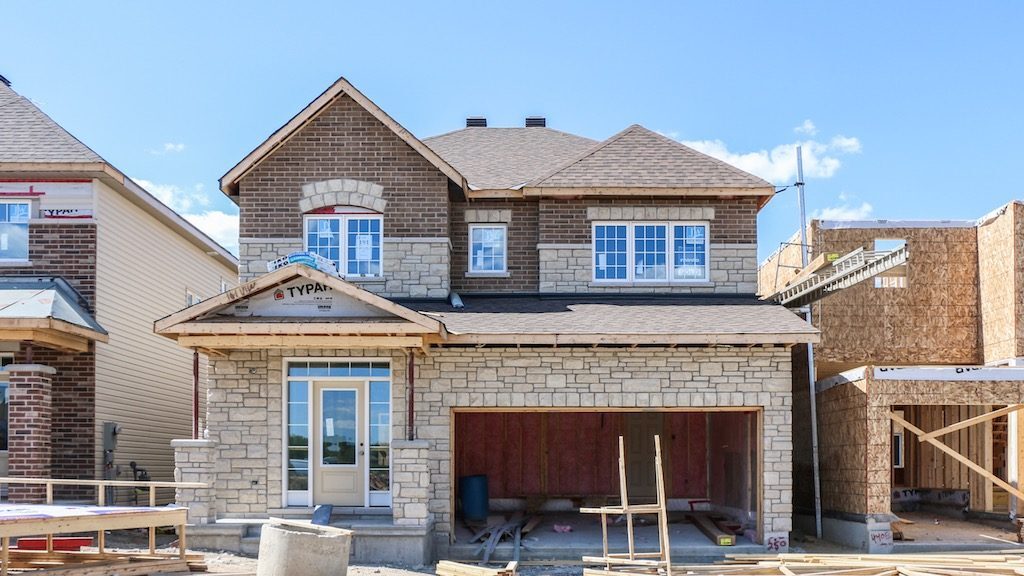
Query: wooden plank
{"points": [[298, 341], [716, 534], [87, 523], [957, 456], [970, 422]]}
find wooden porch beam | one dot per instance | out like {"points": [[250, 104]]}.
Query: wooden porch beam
{"points": [[228, 342], [970, 422], [958, 456]]}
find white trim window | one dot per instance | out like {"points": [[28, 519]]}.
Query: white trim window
{"points": [[14, 216], [644, 252], [488, 248], [898, 443], [353, 241]]}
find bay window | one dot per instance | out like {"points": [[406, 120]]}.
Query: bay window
{"points": [[353, 241], [650, 252]]}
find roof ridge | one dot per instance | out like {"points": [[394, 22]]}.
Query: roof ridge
{"points": [[598, 147]]}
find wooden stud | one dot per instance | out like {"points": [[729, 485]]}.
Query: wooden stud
{"points": [[971, 422]]}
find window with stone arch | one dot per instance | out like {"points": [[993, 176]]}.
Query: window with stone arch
{"points": [[350, 236]]}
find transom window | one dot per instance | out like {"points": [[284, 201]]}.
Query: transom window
{"points": [[14, 230], [650, 251], [351, 240], [488, 248]]}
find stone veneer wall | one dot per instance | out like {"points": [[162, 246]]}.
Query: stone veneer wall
{"points": [[245, 412], [568, 378], [570, 268], [413, 267]]}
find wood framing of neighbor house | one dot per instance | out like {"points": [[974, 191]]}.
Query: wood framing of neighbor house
{"points": [[859, 409]]}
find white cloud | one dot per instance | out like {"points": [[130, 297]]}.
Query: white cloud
{"points": [[169, 148], [192, 203], [220, 226], [778, 165], [844, 211], [807, 128], [180, 199]]}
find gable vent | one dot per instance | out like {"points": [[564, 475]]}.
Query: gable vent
{"points": [[476, 122], [536, 122]]}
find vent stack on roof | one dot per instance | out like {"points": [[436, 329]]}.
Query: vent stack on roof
{"points": [[476, 122], [536, 122]]}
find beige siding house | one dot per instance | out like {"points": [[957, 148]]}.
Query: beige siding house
{"points": [[76, 232]]}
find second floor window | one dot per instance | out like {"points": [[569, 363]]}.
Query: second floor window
{"points": [[352, 241], [14, 230], [487, 249], [650, 252]]}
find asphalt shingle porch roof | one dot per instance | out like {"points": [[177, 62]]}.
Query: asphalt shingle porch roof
{"points": [[617, 315]]}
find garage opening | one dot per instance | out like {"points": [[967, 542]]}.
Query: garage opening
{"points": [[936, 495], [548, 464]]}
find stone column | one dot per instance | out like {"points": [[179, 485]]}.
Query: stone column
{"points": [[194, 462], [29, 429], [411, 486]]}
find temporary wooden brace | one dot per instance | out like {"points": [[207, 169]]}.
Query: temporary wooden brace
{"points": [[958, 456], [971, 422], [660, 560]]}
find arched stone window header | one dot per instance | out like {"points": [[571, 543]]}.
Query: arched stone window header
{"points": [[342, 192]]}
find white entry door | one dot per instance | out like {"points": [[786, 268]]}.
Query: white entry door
{"points": [[339, 469]]}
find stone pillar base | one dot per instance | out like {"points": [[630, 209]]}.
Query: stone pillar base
{"points": [[194, 462], [410, 497]]}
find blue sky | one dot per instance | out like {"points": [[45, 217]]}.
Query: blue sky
{"points": [[906, 109]]}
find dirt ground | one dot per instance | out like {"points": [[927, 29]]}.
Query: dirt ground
{"points": [[938, 528]]}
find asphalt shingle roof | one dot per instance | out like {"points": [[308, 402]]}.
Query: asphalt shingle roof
{"points": [[29, 135], [502, 158], [615, 315], [640, 158]]}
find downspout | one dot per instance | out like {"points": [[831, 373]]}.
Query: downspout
{"points": [[410, 416], [195, 394]]}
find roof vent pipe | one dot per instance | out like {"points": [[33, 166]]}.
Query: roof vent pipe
{"points": [[476, 122], [536, 122]]}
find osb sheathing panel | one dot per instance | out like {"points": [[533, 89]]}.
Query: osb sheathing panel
{"points": [[933, 320], [842, 447], [1018, 242], [781, 267], [997, 275]]}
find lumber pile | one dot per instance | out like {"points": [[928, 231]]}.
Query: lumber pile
{"points": [[448, 568], [865, 565]]}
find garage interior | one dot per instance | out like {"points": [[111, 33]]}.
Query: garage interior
{"points": [[551, 463], [940, 494]]}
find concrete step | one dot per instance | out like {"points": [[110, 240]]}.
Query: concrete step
{"points": [[250, 546]]}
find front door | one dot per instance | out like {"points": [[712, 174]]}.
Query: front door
{"points": [[339, 464]]}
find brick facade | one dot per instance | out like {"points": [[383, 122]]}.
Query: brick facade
{"points": [[29, 429], [344, 142], [67, 250], [522, 256]]}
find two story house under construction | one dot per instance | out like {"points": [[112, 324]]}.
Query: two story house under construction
{"points": [[492, 301], [918, 377]]}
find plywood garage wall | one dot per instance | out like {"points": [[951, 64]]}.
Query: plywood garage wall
{"points": [[572, 454], [843, 447], [934, 320]]}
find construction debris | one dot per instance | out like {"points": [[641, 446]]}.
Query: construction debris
{"points": [[448, 568], [842, 565], [499, 529]]}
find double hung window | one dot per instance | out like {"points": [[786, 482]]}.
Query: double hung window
{"points": [[14, 230], [488, 249]]}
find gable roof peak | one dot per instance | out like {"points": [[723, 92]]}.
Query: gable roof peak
{"points": [[340, 87]]}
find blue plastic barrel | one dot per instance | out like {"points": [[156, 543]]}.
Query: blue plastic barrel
{"points": [[473, 494]]}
